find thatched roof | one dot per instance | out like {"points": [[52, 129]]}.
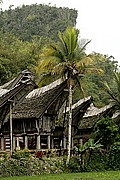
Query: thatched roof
{"points": [[41, 100], [3, 92], [78, 111], [39, 91], [80, 108], [15, 90], [93, 114], [10, 89], [21, 78], [94, 111], [116, 117]]}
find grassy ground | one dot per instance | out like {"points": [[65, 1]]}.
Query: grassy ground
{"points": [[108, 175]]}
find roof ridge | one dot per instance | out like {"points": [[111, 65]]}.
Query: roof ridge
{"points": [[37, 92]]}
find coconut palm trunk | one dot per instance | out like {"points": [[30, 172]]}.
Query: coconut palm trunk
{"points": [[65, 59], [70, 119]]}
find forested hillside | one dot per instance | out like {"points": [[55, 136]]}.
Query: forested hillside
{"points": [[36, 20], [26, 31]]}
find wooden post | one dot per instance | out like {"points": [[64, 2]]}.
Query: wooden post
{"points": [[48, 141], [52, 143], [81, 142], [11, 143], [72, 143], [2, 143], [64, 142], [18, 144], [26, 142], [14, 142], [38, 143]]}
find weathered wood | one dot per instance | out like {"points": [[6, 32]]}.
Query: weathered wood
{"points": [[81, 142], [38, 146], [52, 143], [48, 141], [14, 143], [18, 144], [26, 142], [64, 142], [2, 143], [11, 133]]}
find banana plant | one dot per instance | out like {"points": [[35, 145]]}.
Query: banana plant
{"points": [[90, 146]]}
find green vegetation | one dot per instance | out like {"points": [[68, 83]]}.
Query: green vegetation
{"points": [[29, 38], [109, 175], [93, 83], [25, 33], [23, 163], [36, 20], [67, 60], [16, 56], [107, 131], [114, 90]]}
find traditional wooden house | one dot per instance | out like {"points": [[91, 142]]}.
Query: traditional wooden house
{"points": [[33, 118], [11, 94], [87, 123], [78, 111], [28, 116]]}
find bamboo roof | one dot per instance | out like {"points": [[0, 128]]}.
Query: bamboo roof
{"points": [[116, 115], [15, 90], [3, 91], [8, 90], [79, 103], [40, 100], [79, 109], [94, 111], [39, 91], [93, 114]]}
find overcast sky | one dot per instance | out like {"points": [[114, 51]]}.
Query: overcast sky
{"points": [[98, 20]]}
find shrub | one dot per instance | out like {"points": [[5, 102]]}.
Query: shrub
{"points": [[30, 166], [4, 155], [97, 162], [114, 156], [39, 154], [74, 164], [21, 154]]}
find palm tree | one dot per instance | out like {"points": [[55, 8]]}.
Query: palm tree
{"points": [[68, 60], [114, 90]]}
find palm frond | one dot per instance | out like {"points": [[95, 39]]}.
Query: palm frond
{"points": [[83, 48], [117, 80], [91, 70], [84, 62], [70, 39], [114, 96], [52, 51], [107, 87], [80, 86], [60, 68], [63, 45]]}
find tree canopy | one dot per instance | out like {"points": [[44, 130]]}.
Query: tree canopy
{"points": [[41, 20]]}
